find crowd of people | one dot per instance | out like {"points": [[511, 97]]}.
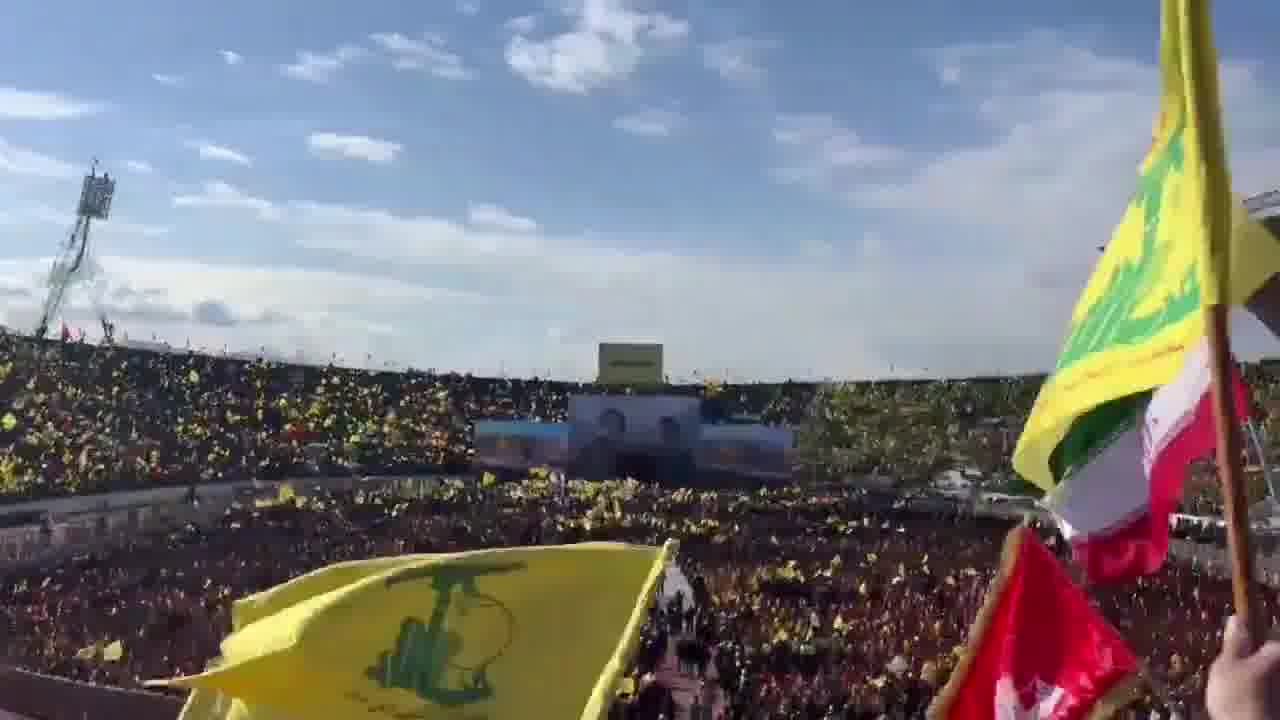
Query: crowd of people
{"points": [[814, 604], [817, 604], [80, 418]]}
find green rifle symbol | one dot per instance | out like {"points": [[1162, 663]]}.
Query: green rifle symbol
{"points": [[424, 650], [1115, 320]]}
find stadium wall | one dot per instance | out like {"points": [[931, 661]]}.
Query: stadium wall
{"points": [[42, 697], [119, 517], [105, 520]]}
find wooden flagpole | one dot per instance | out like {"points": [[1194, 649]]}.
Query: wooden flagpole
{"points": [[1230, 469], [1196, 22]]}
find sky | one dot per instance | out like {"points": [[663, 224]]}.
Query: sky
{"points": [[820, 189]]}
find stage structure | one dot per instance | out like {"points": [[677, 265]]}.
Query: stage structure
{"points": [[654, 437], [96, 194]]}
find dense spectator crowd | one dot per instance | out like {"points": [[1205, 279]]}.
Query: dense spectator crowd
{"points": [[812, 605], [76, 418], [826, 603]]}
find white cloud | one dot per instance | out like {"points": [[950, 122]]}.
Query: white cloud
{"points": [[15, 160], [169, 80], [211, 151], [18, 104], [803, 305], [521, 24], [116, 226], [321, 67], [216, 194], [1062, 128], [872, 244], [1067, 127], [231, 57], [385, 236], [139, 166], [123, 226], [493, 217], [358, 147], [593, 290], [428, 54], [239, 307], [818, 150], [608, 42], [735, 59], [650, 123]]}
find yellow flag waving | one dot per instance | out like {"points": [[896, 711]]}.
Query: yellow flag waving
{"points": [[504, 633], [1142, 308]]}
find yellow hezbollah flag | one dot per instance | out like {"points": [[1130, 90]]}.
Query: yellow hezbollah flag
{"points": [[541, 632], [1143, 305]]}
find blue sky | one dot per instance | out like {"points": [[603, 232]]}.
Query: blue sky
{"points": [[830, 189]]}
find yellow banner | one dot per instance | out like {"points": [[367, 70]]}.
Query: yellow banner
{"points": [[507, 633], [1142, 306]]}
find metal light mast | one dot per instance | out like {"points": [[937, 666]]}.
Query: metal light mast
{"points": [[95, 204]]}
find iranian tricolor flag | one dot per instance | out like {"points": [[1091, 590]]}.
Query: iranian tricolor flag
{"points": [[1123, 467]]}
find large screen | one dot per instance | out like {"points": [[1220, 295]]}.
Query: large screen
{"points": [[519, 445], [635, 424], [750, 450]]}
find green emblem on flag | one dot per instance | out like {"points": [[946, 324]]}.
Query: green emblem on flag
{"points": [[425, 660], [1114, 319]]}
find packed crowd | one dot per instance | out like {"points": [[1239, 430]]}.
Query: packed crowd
{"points": [[78, 418], [806, 605]]}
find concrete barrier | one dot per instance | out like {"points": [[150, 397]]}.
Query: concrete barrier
{"points": [[31, 695], [79, 505], [99, 521]]}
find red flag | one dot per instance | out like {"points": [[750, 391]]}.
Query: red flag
{"points": [[1038, 649]]}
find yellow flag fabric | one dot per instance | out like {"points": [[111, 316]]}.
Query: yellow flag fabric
{"points": [[113, 652], [539, 632], [210, 704], [1254, 253], [1144, 303]]}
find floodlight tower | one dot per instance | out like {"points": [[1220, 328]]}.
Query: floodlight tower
{"points": [[95, 204]]}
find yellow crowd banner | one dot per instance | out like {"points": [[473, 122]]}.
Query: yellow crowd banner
{"points": [[541, 632]]}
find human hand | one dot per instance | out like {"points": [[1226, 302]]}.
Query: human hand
{"points": [[1244, 684]]}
